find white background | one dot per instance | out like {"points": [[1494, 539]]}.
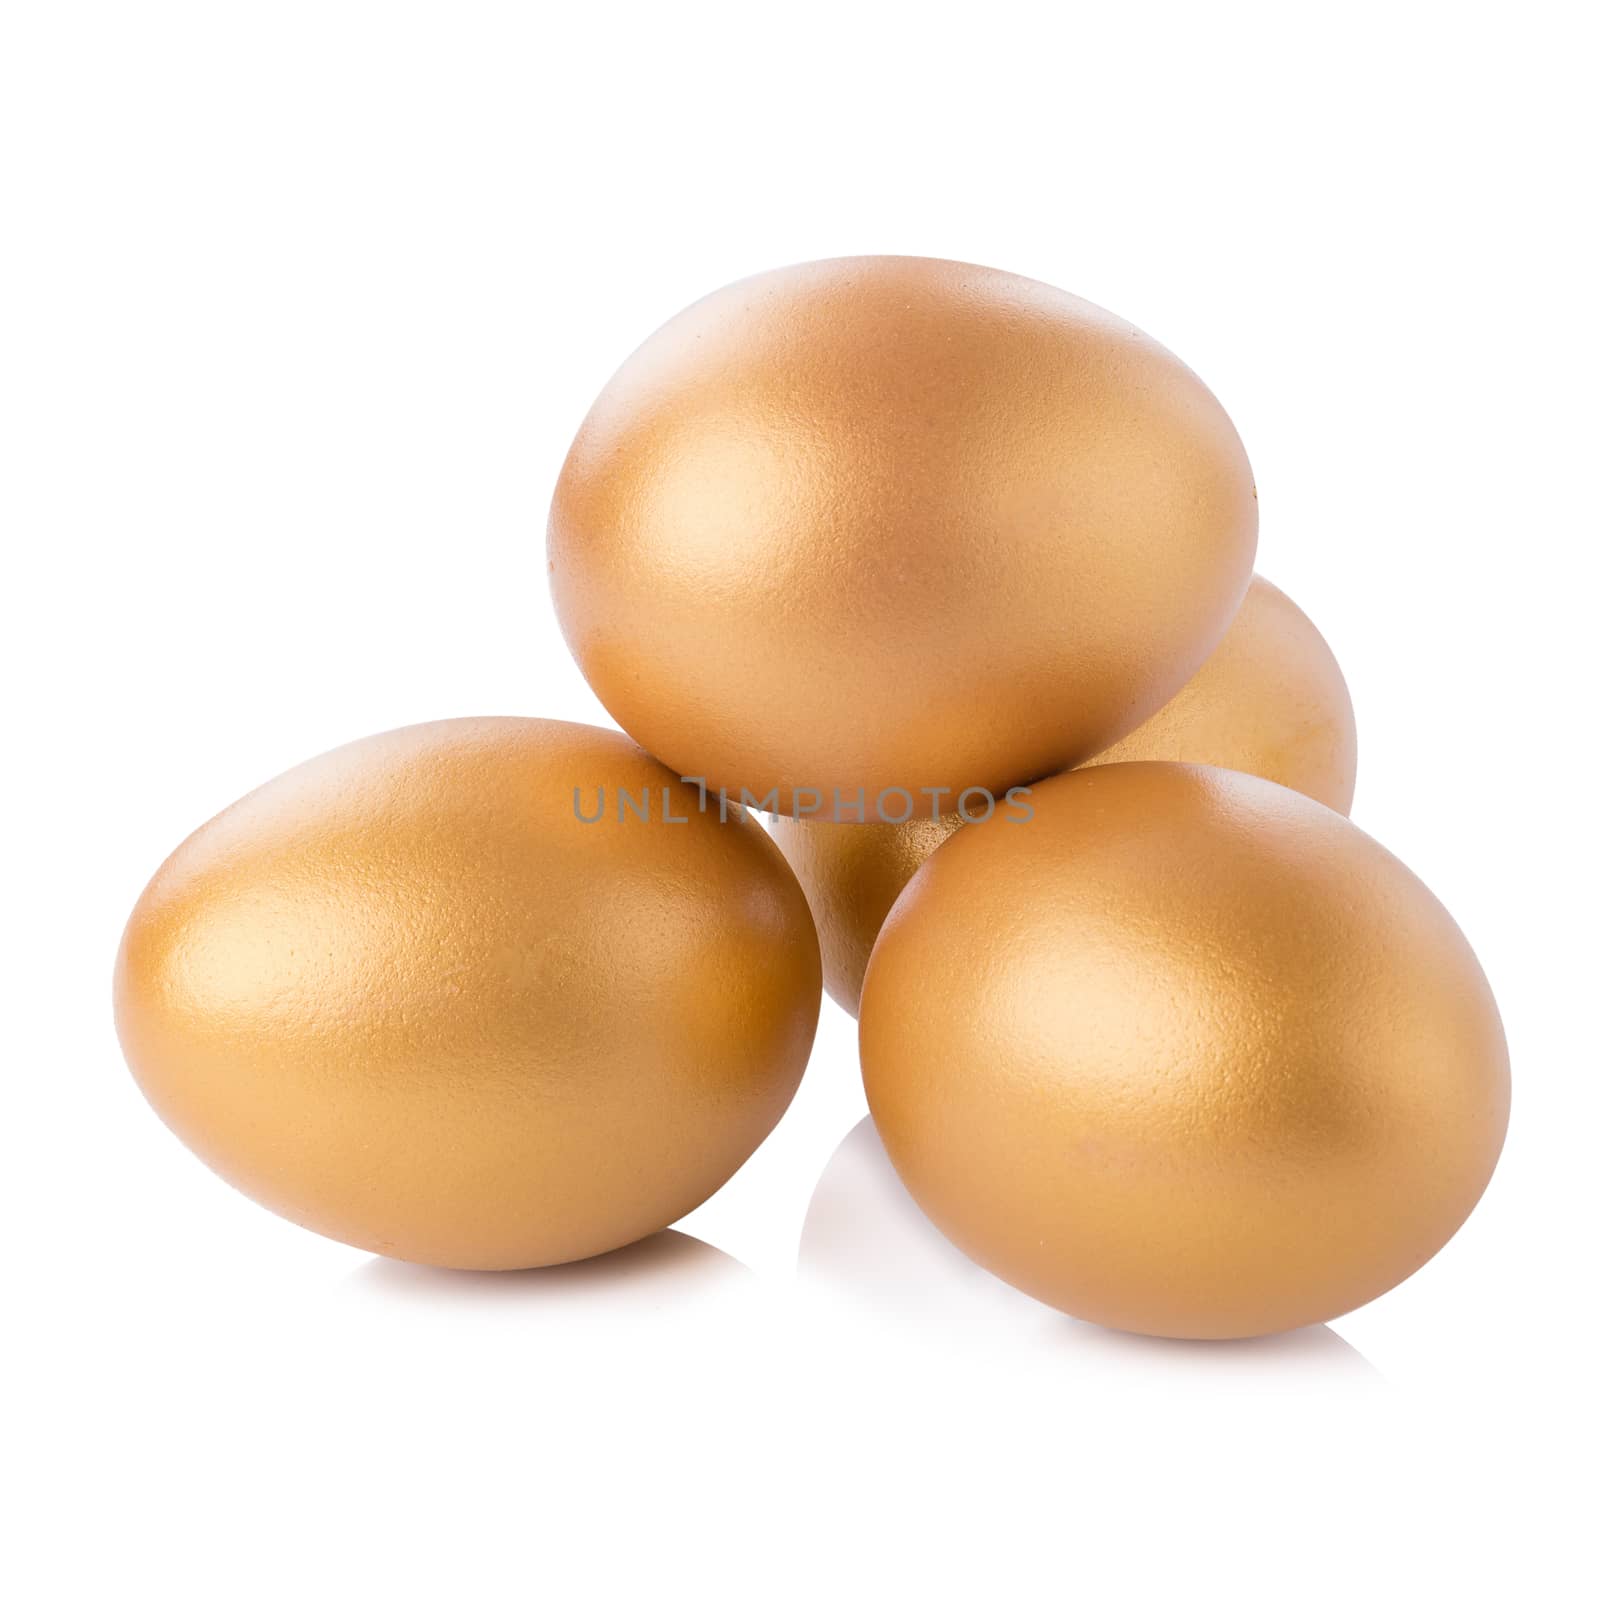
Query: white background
{"points": [[301, 306]]}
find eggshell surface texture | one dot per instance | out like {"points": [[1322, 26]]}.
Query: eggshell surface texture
{"points": [[889, 523], [405, 997], [1270, 699], [1187, 1054]]}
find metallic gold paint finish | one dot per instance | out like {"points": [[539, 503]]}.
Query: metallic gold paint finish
{"points": [[404, 997], [1270, 700], [892, 522], [1187, 1054]]}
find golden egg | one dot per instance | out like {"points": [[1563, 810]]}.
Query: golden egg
{"points": [[885, 524], [1186, 1054], [1270, 699], [488, 993]]}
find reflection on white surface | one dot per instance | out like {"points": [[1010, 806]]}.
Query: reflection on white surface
{"points": [[639, 1316], [668, 1264], [866, 1245]]}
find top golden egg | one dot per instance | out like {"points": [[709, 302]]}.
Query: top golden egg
{"points": [[894, 524]]}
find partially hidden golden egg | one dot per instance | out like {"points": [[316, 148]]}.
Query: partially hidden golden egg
{"points": [[885, 524], [490, 993], [1185, 1054], [1270, 699]]}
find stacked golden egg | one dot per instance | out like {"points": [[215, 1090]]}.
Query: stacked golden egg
{"points": [[951, 573]]}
